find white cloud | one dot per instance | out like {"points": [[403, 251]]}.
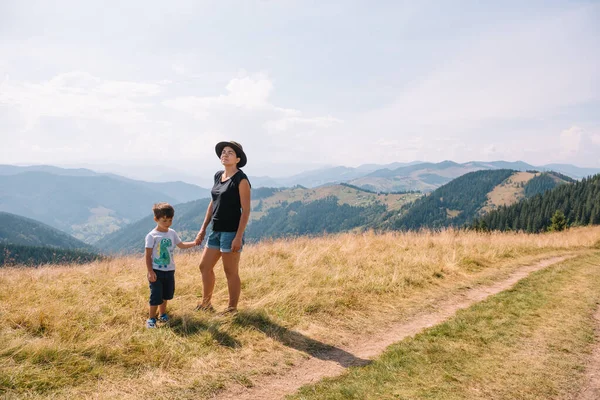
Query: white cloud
{"points": [[490, 150], [570, 141], [287, 123], [246, 91], [79, 95], [504, 86], [578, 144]]}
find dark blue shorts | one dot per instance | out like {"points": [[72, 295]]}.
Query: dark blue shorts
{"points": [[163, 288]]}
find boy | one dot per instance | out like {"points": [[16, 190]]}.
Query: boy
{"points": [[160, 243]]}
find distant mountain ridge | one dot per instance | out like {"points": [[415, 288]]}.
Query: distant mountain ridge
{"points": [[422, 176], [18, 230], [182, 192], [339, 208], [82, 202]]}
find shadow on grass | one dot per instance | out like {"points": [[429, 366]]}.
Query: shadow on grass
{"points": [[297, 340], [191, 326]]}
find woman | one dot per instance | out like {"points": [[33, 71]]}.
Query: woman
{"points": [[228, 211]]}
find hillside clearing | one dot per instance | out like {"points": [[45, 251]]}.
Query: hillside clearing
{"points": [[73, 332], [509, 192], [344, 194]]}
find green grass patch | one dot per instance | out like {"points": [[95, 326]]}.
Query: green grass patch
{"points": [[529, 342]]}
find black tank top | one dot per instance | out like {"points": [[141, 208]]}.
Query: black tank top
{"points": [[227, 207]]}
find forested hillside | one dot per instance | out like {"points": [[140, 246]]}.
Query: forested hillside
{"points": [[264, 199], [450, 205], [544, 182], [18, 230], [314, 218], [13, 254], [579, 202]]}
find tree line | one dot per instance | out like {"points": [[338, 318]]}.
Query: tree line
{"points": [[14, 254], [578, 202]]}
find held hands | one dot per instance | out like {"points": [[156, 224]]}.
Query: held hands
{"points": [[200, 237], [151, 276]]}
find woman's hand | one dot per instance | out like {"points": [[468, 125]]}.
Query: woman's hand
{"points": [[200, 237], [236, 244]]}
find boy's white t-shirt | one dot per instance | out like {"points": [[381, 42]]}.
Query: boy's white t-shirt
{"points": [[163, 244]]}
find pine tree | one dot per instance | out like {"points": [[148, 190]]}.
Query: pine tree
{"points": [[558, 222]]}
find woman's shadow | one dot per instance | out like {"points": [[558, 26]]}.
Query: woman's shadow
{"points": [[191, 326], [297, 340]]}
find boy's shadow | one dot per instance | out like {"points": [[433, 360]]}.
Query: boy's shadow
{"points": [[297, 340], [191, 326]]}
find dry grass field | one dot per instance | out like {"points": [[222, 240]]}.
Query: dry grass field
{"points": [[78, 331]]}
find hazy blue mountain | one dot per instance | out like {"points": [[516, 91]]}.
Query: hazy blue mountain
{"points": [[368, 168], [322, 176], [571, 170], [427, 177], [19, 230], [264, 181], [87, 207], [516, 165], [182, 192], [15, 169], [405, 171]]}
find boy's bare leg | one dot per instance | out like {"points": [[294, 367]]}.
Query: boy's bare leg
{"points": [[210, 257], [231, 262], [162, 309], [152, 312]]}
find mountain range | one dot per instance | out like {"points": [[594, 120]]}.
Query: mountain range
{"points": [[83, 203], [421, 176], [103, 209]]}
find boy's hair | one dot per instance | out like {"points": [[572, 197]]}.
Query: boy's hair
{"points": [[161, 210]]}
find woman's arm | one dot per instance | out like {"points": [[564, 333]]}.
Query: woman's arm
{"points": [[245, 202], [207, 217]]}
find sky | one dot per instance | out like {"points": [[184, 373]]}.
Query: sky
{"points": [[149, 87]]}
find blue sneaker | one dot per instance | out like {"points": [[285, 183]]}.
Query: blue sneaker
{"points": [[151, 323], [163, 318]]}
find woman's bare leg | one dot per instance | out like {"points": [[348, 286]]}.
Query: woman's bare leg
{"points": [[231, 262], [210, 257]]}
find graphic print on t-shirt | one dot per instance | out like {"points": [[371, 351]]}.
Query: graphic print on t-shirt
{"points": [[164, 259]]}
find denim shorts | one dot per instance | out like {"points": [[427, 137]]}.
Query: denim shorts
{"points": [[222, 241], [163, 288]]}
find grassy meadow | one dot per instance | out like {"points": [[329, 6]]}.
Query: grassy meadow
{"points": [[78, 331]]}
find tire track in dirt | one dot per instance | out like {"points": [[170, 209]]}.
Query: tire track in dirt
{"points": [[333, 362]]}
